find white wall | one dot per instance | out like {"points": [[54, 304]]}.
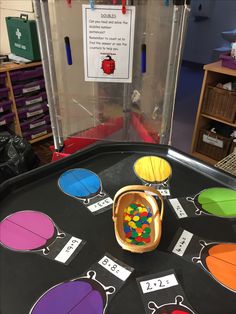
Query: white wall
{"points": [[204, 36], [12, 8]]}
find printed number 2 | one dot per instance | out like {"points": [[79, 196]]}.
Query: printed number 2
{"points": [[149, 287], [160, 285]]}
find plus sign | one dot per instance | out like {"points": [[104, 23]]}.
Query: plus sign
{"points": [[18, 33]]}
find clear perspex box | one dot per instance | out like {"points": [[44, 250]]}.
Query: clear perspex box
{"points": [[114, 68]]}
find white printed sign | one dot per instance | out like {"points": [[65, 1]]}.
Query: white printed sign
{"points": [[68, 250], [164, 192], [34, 125], [108, 36], [114, 268], [101, 204], [182, 243], [30, 89], [160, 283], [213, 141], [33, 101], [34, 113], [178, 208]]}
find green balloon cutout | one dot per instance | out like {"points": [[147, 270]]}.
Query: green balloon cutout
{"points": [[218, 201]]}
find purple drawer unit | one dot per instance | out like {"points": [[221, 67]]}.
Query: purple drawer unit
{"points": [[228, 61], [2, 78], [29, 87], [6, 118], [30, 100], [5, 105], [35, 122], [3, 93], [26, 74], [31, 111], [31, 135]]}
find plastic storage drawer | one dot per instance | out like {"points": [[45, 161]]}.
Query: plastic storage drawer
{"points": [[3, 93], [38, 132], [2, 79], [29, 87], [5, 105], [35, 122], [23, 75], [30, 100], [28, 112], [6, 118]]}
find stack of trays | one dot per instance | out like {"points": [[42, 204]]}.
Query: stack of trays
{"points": [[31, 102], [6, 116]]}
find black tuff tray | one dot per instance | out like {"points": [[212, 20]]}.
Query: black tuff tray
{"points": [[26, 276]]}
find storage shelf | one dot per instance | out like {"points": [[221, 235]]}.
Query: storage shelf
{"points": [[217, 119], [7, 68], [40, 138], [217, 67], [205, 158], [213, 72], [14, 66]]}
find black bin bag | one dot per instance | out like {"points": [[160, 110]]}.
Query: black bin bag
{"points": [[16, 157]]}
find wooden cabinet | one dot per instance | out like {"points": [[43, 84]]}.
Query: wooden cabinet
{"points": [[25, 88], [214, 73]]}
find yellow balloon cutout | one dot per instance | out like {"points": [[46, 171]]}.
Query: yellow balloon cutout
{"points": [[152, 169]]}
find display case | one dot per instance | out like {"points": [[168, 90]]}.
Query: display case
{"points": [[89, 98]]}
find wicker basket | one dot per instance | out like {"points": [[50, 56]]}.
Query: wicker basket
{"points": [[232, 148], [220, 103], [213, 145], [140, 194]]}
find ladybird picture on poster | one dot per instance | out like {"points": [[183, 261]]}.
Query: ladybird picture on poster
{"points": [[108, 38]]}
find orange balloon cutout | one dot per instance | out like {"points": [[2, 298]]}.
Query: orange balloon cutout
{"points": [[219, 259]]}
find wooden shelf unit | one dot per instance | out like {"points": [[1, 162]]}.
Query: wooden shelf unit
{"points": [[214, 72], [7, 68]]}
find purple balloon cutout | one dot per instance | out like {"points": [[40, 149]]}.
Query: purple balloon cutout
{"points": [[84, 295]]}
